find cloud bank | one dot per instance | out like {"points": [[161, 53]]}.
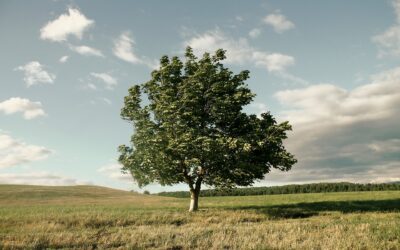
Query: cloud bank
{"points": [[345, 135]]}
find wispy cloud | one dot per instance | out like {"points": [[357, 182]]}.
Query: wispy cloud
{"points": [[389, 41], [107, 79], [124, 49], [278, 22], [86, 50], [259, 108], [14, 152], [73, 23], [273, 62], [106, 100], [254, 33], [91, 86], [40, 178], [63, 59], [29, 109], [239, 51], [239, 18], [113, 171], [35, 74]]}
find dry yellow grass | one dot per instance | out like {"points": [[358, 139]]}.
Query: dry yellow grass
{"points": [[94, 217]]}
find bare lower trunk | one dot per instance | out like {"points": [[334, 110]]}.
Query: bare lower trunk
{"points": [[194, 200]]}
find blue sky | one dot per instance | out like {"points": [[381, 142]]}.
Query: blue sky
{"points": [[330, 68]]}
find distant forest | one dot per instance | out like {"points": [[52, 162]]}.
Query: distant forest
{"points": [[290, 189]]}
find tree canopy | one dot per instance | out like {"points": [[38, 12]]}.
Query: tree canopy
{"points": [[190, 127]]}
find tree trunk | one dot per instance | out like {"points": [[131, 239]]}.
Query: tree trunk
{"points": [[194, 200]]}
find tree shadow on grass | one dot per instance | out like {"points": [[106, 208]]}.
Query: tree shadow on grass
{"points": [[305, 210]]}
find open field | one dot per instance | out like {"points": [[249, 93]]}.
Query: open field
{"points": [[95, 217]]}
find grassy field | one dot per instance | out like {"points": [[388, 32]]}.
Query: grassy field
{"points": [[88, 217]]}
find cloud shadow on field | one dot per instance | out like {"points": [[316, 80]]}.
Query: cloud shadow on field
{"points": [[305, 210]]}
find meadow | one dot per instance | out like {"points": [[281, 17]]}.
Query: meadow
{"points": [[90, 217]]}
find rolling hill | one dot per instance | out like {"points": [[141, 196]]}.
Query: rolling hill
{"points": [[83, 194]]}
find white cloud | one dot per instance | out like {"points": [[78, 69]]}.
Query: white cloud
{"points": [[14, 152], [35, 74], [240, 52], [29, 109], [389, 41], [73, 23], [123, 48], [254, 33], [279, 22], [40, 178], [113, 171], [86, 51], [110, 81], [63, 59], [346, 135]]}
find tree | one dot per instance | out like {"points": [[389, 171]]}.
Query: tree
{"points": [[189, 127]]}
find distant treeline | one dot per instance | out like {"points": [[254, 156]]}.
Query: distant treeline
{"points": [[290, 189]]}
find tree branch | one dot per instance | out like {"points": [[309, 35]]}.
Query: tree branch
{"points": [[187, 177]]}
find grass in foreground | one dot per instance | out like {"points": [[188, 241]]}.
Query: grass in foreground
{"points": [[94, 217]]}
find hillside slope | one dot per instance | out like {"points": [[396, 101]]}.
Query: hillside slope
{"points": [[30, 195]]}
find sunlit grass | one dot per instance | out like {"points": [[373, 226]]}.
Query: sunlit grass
{"points": [[93, 217]]}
